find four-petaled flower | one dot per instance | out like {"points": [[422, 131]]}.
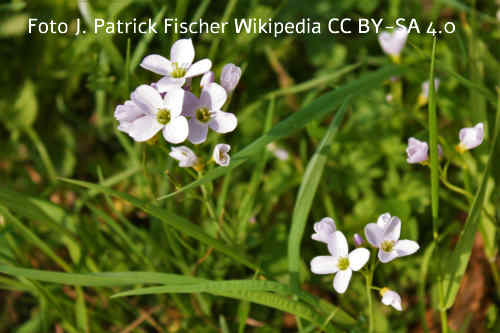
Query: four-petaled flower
{"points": [[385, 234], [186, 157], [392, 298], [393, 43], [324, 230], [418, 151], [220, 154], [470, 137], [340, 262], [148, 112], [179, 68], [205, 112]]}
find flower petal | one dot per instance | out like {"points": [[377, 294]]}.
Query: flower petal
{"points": [[374, 234], [338, 247], [324, 265], [176, 131], [383, 220], [190, 105], [405, 247], [144, 128], [393, 230], [169, 83], [385, 257], [199, 67], [341, 280], [213, 96], [197, 131], [182, 53], [223, 122], [358, 258], [147, 98], [157, 64], [174, 101]]}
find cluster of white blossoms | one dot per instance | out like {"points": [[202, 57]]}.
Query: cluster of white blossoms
{"points": [[169, 105], [470, 138], [383, 235]]}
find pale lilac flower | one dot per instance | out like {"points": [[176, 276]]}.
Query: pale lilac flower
{"points": [[340, 262], [230, 76], [358, 240], [279, 153], [388, 98], [425, 88], [180, 66], [391, 298], [220, 155], [418, 151], [324, 230], [393, 43], [186, 157], [207, 78], [470, 137], [385, 234], [206, 112], [148, 113]]}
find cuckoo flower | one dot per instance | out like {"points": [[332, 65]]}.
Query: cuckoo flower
{"points": [[205, 112], [186, 157], [324, 230], [385, 234], [207, 78], [470, 137], [220, 155], [391, 298], [358, 240], [147, 113], [230, 76], [279, 153], [340, 262], [418, 151], [393, 43], [179, 67]]}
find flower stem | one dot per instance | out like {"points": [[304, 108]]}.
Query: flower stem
{"points": [[369, 280]]}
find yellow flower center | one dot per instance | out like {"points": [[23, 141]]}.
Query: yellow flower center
{"points": [[178, 72], [163, 116], [343, 263], [203, 115], [383, 291], [461, 148], [387, 246]]}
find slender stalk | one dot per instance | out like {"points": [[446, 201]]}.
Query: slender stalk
{"points": [[369, 280]]}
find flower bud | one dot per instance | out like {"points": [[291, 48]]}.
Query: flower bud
{"points": [[324, 230], [392, 298], [220, 155], [230, 76], [358, 240]]}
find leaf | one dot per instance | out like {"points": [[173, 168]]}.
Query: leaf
{"points": [[179, 223], [459, 258], [315, 110], [26, 106], [433, 139], [307, 191]]}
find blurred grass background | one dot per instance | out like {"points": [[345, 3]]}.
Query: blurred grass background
{"points": [[56, 114]]}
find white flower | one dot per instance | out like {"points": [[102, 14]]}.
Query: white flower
{"points": [[205, 112], [391, 298], [470, 137], [340, 262], [418, 151], [393, 43], [425, 87], [180, 66], [230, 76], [324, 230], [207, 78], [186, 157], [147, 113], [385, 234], [220, 155]]}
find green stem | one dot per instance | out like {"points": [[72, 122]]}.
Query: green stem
{"points": [[44, 155], [369, 280], [457, 189]]}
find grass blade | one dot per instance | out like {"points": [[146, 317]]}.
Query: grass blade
{"points": [[307, 191], [433, 139]]}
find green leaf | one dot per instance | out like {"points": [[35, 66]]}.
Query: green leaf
{"points": [[307, 191], [433, 141], [315, 110], [179, 223], [459, 258], [26, 106]]}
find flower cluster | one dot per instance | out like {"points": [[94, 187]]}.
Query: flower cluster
{"points": [[383, 235], [170, 106]]}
